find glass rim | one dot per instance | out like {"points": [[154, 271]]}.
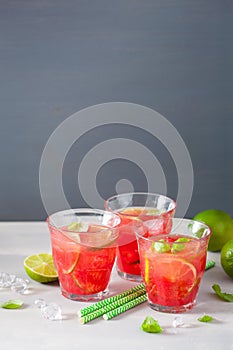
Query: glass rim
{"points": [[96, 212], [172, 232], [156, 195]]}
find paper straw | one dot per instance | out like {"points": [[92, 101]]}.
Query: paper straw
{"points": [[112, 306], [90, 309], [125, 307], [209, 264]]}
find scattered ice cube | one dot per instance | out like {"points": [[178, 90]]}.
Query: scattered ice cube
{"points": [[17, 284], [12, 279], [20, 285], [178, 322], [6, 279], [51, 312], [40, 303]]}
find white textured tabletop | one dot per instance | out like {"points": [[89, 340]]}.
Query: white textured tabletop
{"points": [[25, 328]]}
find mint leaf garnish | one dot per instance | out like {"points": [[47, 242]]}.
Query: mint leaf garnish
{"points": [[200, 233], [12, 304], [195, 230], [205, 318], [150, 325], [224, 296], [161, 246], [178, 247]]}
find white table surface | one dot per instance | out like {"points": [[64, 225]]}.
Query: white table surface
{"points": [[25, 328]]}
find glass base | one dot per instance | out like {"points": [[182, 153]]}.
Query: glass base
{"points": [[84, 297], [172, 309], [129, 277]]}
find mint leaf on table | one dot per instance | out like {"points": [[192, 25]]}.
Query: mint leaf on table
{"points": [[12, 304], [224, 296], [205, 318], [150, 325]]}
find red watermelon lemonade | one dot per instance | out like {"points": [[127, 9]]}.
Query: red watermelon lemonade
{"points": [[133, 208], [84, 251], [172, 265]]}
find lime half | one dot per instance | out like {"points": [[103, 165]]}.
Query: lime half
{"points": [[40, 268]]}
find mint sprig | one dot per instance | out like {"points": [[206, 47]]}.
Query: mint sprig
{"points": [[12, 304], [150, 325], [224, 296]]}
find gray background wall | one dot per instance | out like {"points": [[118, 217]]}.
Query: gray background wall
{"points": [[58, 57]]}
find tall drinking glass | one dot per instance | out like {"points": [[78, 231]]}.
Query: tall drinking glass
{"points": [[84, 251], [131, 207], [173, 264]]}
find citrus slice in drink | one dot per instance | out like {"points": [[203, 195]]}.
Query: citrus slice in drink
{"points": [[132, 211], [137, 211], [176, 275], [69, 261], [100, 237], [65, 253], [129, 215], [40, 267], [66, 258], [78, 227], [91, 281], [146, 271]]}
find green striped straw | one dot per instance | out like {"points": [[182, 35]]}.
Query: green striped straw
{"points": [[114, 305], [119, 310], [209, 264], [90, 309]]}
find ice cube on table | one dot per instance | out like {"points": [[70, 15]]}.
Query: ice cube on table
{"points": [[17, 284], [40, 303], [51, 311], [20, 285], [6, 279], [178, 322]]}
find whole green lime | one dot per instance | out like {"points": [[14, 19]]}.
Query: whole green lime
{"points": [[221, 225], [227, 258]]}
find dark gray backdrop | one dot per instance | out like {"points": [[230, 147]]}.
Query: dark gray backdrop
{"points": [[58, 57]]}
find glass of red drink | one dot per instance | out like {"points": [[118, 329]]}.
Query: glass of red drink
{"points": [[173, 264], [84, 251], [131, 208]]}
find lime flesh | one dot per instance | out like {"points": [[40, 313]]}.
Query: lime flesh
{"points": [[40, 268]]}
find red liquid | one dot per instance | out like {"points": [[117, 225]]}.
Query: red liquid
{"points": [[82, 269], [128, 260], [172, 278]]}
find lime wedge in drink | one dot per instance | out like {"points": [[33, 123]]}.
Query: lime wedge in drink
{"points": [[78, 227], [40, 268]]}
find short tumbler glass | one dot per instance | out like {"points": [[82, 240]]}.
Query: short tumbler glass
{"points": [[173, 264], [84, 251], [131, 207]]}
